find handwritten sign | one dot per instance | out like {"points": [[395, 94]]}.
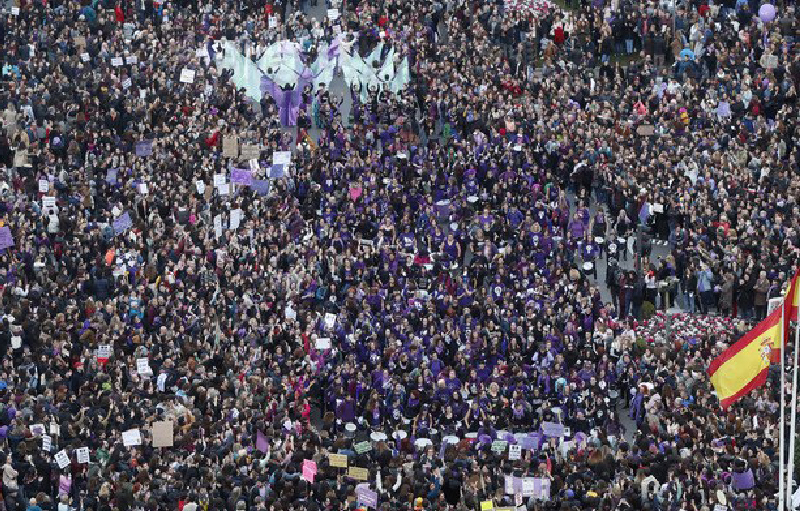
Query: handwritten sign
{"points": [[187, 75], [47, 443], [6, 238], [37, 429], [277, 171], [62, 459], [219, 180], [163, 434], [230, 146], [487, 505], [357, 473], [224, 189], [82, 454], [553, 429], [201, 52], [330, 320], [131, 59], [122, 224], [48, 202], [499, 446], [236, 219], [127, 83], [44, 186], [104, 351], [514, 452], [250, 151], [362, 447], [367, 497], [338, 460], [273, 22], [116, 61], [333, 14], [323, 343], [132, 437]]}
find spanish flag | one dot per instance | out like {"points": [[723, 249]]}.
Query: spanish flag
{"points": [[791, 301], [744, 366]]}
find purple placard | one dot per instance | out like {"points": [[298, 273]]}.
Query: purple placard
{"points": [[241, 177], [541, 488], [276, 171], [529, 442], [553, 429], [111, 176], [144, 148], [260, 186], [122, 224], [367, 497], [6, 238]]}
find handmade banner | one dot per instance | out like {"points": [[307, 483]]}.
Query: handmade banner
{"points": [[242, 177]]}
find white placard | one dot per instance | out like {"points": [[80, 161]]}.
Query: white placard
{"points": [[143, 188], [15, 11], [85, 56], [47, 443], [44, 186], [333, 14], [218, 226], [117, 61], [273, 22], [142, 93], [527, 487], [104, 351], [281, 157], [187, 75], [224, 189], [514, 452], [132, 437], [127, 83], [83, 455], [200, 186], [143, 366], [62, 459], [55, 429], [131, 59], [201, 52], [236, 218], [509, 485], [219, 180], [161, 382], [48, 202], [37, 429], [330, 320], [254, 165], [323, 343]]}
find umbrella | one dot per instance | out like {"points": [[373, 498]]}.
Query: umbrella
{"points": [[686, 52]]}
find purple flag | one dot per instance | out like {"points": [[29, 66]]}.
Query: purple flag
{"points": [[241, 177], [743, 480], [6, 238], [122, 224], [261, 442]]}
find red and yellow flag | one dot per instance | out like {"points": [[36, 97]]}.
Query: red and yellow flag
{"points": [[791, 301], [744, 366]]}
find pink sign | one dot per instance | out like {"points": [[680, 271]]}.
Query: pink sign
{"points": [[309, 473], [355, 193]]}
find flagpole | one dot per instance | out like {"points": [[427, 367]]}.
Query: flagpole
{"points": [[781, 440], [793, 417]]}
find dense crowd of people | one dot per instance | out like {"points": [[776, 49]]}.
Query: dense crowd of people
{"points": [[450, 285]]}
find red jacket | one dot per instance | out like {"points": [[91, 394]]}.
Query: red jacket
{"points": [[119, 15]]}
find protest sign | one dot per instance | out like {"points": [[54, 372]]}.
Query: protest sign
{"points": [[277, 171], [230, 146], [553, 429], [163, 434], [47, 443], [44, 186], [261, 441], [338, 460], [224, 189], [82, 454], [499, 446], [330, 320], [144, 148], [527, 487], [357, 473], [219, 180], [104, 351], [48, 202], [143, 366], [367, 497], [111, 176], [309, 470], [116, 61], [514, 452], [362, 447], [333, 14], [323, 343], [37, 429], [487, 505], [6, 238], [62, 459], [242, 177], [281, 157], [131, 59], [132, 437], [236, 219], [250, 152], [187, 75]]}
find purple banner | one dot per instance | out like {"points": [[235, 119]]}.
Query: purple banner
{"points": [[260, 186], [276, 171], [144, 148], [6, 238], [122, 224], [367, 497]]}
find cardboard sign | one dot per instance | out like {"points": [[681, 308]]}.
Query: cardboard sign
{"points": [[132, 437], [230, 146], [367, 497], [646, 130], [219, 180], [527, 486], [62, 459], [357, 473], [362, 447], [187, 75], [333, 14], [250, 151], [83, 455], [514, 452], [48, 202], [163, 434], [338, 460]]}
